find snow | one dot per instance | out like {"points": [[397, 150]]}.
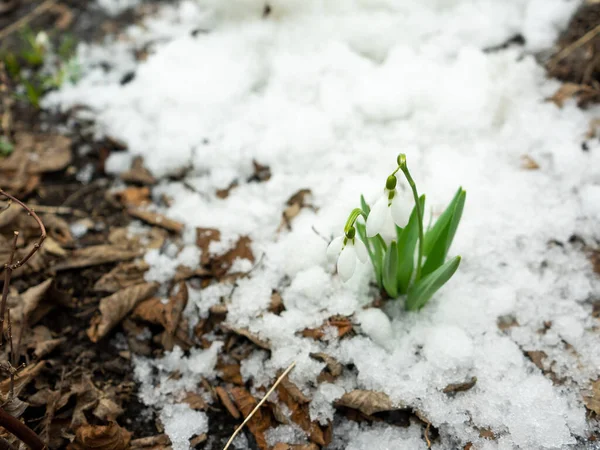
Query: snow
{"points": [[327, 94], [182, 423]]}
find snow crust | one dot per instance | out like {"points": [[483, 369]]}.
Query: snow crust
{"points": [[327, 94]]}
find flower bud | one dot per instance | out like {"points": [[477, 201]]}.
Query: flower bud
{"points": [[351, 233], [390, 183]]}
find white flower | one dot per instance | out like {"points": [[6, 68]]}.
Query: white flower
{"points": [[390, 203], [41, 40], [346, 251]]}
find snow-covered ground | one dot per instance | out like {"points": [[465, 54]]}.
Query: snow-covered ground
{"points": [[327, 93]]}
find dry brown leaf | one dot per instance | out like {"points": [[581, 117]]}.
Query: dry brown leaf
{"points": [[159, 441], [282, 446], [230, 373], [528, 163], [276, 306], [261, 173], [22, 379], [537, 358], [250, 336], [57, 228], [115, 308], [151, 311], [138, 174], [593, 126], [107, 410], [37, 154], [88, 396], [261, 420], [294, 392], [31, 300], [125, 274], [343, 324], [98, 437], [334, 367], [221, 264], [195, 401], [204, 236], [591, 398], [54, 248], [460, 387], [174, 309], [294, 204], [564, 93], [149, 239], [227, 402], [95, 255], [367, 402], [133, 196], [157, 219]]}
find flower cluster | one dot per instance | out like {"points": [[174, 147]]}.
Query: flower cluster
{"points": [[394, 262]]}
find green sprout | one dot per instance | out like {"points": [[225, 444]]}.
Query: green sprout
{"points": [[396, 270], [6, 148]]}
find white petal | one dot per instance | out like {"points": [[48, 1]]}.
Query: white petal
{"points": [[361, 250], [376, 217], [334, 248], [347, 262], [400, 210]]}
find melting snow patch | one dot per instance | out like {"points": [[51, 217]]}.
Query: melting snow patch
{"points": [[327, 94]]}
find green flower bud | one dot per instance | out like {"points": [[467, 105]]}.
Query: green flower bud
{"points": [[390, 183], [401, 160], [351, 233]]}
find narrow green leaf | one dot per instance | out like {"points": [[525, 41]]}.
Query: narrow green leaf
{"points": [[390, 268], [423, 290], [373, 251], [364, 206], [439, 252], [432, 235], [407, 242]]}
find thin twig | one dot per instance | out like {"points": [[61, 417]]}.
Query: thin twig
{"points": [[21, 431], [7, 273], [12, 357], [578, 43], [41, 8], [264, 399]]}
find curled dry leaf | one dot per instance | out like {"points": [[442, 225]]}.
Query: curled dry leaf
{"points": [[260, 422], [249, 335], [115, 308], [154, 442], [133, 196], [591, 398], [367, 402], [125, 274], [460, 387], [138, 174], [221, 264], [37, 154], [293, 206], [109, 437], [95, 255], [334, 367], [528, 163], [157, 219], [225, 399]]}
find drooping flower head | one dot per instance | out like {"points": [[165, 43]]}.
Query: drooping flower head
{"points": [[388, 204], [347, 248]]}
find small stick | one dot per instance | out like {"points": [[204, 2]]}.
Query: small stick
{"points": [[27, 18], [11, 394], [7, 273], [264, 399], [21, 431], [40, 241]]}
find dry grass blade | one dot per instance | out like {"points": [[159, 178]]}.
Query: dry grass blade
{"points": [[264, 399], [578, 43]]}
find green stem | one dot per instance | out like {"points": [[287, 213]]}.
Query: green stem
{"points": [[402, 165], [352, 218]]}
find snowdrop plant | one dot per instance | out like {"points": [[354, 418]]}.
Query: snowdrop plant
{"points": [[397, 270]]}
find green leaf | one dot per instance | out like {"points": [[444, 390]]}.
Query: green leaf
{"points": [[423, 290], [390, 269], [364, 206], [33, 93], [373, 250], [407, 242], [6, 148], [433, 234], [438, 253]]}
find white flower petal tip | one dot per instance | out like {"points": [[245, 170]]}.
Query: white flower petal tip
{"points": [[334, 248], [347, 263], [361, 250], [376, 217]]}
